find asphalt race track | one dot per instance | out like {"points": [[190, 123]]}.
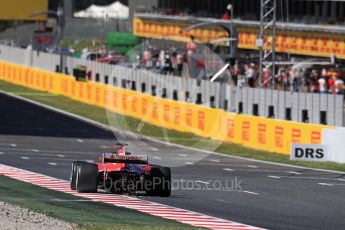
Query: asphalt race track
{"points": [[269, 196]]}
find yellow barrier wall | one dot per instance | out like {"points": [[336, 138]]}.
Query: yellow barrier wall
{"points": [[254, 132]]}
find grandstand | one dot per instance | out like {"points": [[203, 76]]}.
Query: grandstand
{"points": [[306, 11], [311, 28]]}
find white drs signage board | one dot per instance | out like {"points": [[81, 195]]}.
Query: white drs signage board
{"points": [[309, 152]]}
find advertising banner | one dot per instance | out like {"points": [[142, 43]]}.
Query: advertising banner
{"points": [[23, 10]]}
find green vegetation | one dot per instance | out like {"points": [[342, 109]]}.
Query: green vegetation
{"points": [[122, 42], [132, 124], [83, 212]]}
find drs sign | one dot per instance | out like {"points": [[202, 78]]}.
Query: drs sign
{"points": [[309, 152]]}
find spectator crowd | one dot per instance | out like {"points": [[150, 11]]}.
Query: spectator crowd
{"points": [[315, 79]]}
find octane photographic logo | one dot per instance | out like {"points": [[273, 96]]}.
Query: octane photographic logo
{"points": [[129, 185], [171, 70], [208, 185]]}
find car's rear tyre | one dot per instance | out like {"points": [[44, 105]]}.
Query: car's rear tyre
{"points": [[161, 182], [166, 186], [73, 174], [86, 177]]}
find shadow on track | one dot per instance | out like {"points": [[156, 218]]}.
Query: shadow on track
{"points": [[18, 117]]}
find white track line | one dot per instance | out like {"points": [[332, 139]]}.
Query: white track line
{"points": [[228, 169], [325, 184], [223, 201], [275, 177], [255, 193], [293, 172], [25, 158], [253, 166], [214, 160]]}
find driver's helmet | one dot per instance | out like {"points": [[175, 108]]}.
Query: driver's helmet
{"points": [[121, 151]]}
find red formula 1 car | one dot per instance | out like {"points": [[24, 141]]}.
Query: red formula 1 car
{"points": [[121, 172]]}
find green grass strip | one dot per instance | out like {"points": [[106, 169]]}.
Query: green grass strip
{"points": [[85, 213]]}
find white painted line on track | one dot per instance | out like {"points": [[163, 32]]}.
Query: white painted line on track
{"points": [[25, 158], [182, 155], [340, 179], [306, 178], [228, 169], [249, 192], [325, 184], [13, 145], [293, 172], [275, 177], [214, 160], [35, 150], [60, 155], [189, 163], [52, 163], [253, 166], [203, 182], [154, 149], [80, 140], [90, 161], [223, 201], [1, 153], [15, 151], [157, 158]]}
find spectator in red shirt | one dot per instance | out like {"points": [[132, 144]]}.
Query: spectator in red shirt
{"points": [[226, 16]]}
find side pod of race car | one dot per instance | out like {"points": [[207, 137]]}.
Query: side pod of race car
{"points": [[123, 173]]}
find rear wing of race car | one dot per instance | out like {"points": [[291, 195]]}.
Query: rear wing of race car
{"points": [[129, 159]]}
